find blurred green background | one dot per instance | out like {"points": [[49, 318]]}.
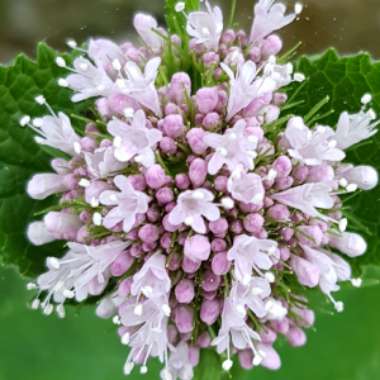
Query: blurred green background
{"points": [[81, 347]]}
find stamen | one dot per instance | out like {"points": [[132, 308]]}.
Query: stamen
{"points": [[125, 339], [97, 219], [77, 147], [343, 223], [128, 368], [144, 370], [180, 7], [63, 82], [71, 43], [24, 121], [84, 182], [357, 282], [227, 365], [53, 263], [60, 62], [138, 310]]}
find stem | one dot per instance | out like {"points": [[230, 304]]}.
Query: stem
{"points": [[316, 109], [232, 12]]}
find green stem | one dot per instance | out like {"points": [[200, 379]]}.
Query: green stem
{"points": [[232, 13]]}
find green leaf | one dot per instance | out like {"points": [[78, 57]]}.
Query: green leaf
{"points": [[210, 367], [21, 157], [345, 80]]}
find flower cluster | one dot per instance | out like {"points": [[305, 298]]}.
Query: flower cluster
{"points": [[197, 214]]}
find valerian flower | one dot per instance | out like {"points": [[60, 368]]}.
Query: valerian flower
{"points": [[312, 146], [141, 85], [269, 17], [57, 132], [135, 140], [250, 254], [352, 129], [147, 28], [179, 364], [233, 149], [245, 87], [308, 198], [127, 204], [206, 27], [192, 207]]}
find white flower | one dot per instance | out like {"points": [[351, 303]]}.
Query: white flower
{"points": [[245, 87], [252, 295], [233, 149], [104, 52], [134, 140], [246, 187], [249, 253], [152, 280], [141, 85], [56, 131], [102, 163], [206, 27], [179, 364], [83, 271], [352, 129], [312, 147], [278, 75], [308, 198], [89, 81], [269, 17], [127, 204], [192, 207], [147, 331], [146, 26], [234, 329]]}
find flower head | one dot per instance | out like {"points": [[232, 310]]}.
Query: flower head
{"points": [[246, 187]]}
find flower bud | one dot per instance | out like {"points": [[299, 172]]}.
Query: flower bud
{"points": [[182, 181], [211, 120], [271, 358], [197, 248], [121, 265], [296, 337], [149, 233], [207, 99], [349, 243], [253, 223], [155, 177], [210, 311], [184, 319], [190, 266], [210, 281], [204, 340], [62, 225], [219, 227], [283, 166], [38, 234], [307, 273], [165, 195], [272, 46], [279, 213], [184, 291], [366, 177], [321, 173], [180, 85], [310, 235], [220, 265], [195, 140], [198, 172], [168, 146], [173, 126]]}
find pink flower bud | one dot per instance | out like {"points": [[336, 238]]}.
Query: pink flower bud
{"points": [[210, 281], [366, 177], [271, 359], [184, 319], [204, 340], [211, 120], [121, 265], [173, 126], [246, 359], [207, 99], [70, 181], [253, 223], [272, 46], [236, 227], [194, 355], [218, 245], [165, 195], [220, 265], [321, 173], [300, 173], [284, 183], [268, 336], [285, 253], [198, 172], [210, 311], [168, 145], [179, 86], [184, 291], [155, 177], [106, 308], [62, 225], [197, 248], [137, 181], [211, 58], [310, 235], [182, 181], [287, 233], [171, 108], [136, 250], [307, 317], [88, 144], [283, 166], [148, 233], [307, 273], [219, 227], [279, 213], [195, 140], [349, 243], [189, 266], [296, 337]]}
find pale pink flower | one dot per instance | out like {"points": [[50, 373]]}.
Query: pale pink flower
{"points": [[141, 85], [43, 185], [192, 207], [104, 53], [152, 280], [233, 149], [308, 198], [251, 254], [245, 87], [135, 140], [89, 81], [38, 234], [179, 364], [126, 203], [365, 177], [246, 187], [83, 271], [147, 28], [102, 163], [352, 129], [269, 17], [312, 147], [349, 243], [56, 131], [206, 27]]}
